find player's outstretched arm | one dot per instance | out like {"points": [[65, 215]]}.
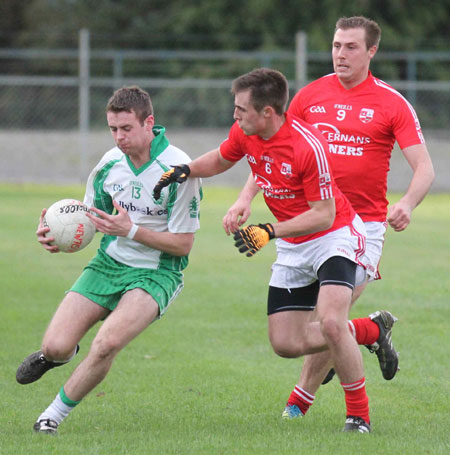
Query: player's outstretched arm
{"points": [[207, 165], [179, 173], [42, 239]]}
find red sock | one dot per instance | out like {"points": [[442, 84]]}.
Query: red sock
{"points": [[364, 330], [301, 398], [356, 399]]}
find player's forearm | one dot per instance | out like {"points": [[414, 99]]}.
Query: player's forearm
{"points": [[319, 218], [420, 184], [209, 164], [167, 242], [249, 191], [240, 211], [423, 174]]}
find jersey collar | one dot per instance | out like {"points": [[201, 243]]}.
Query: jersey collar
{"points": [[157, 146]]}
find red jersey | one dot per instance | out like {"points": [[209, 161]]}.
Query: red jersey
{"points": [[291, 168], [361, 126]]}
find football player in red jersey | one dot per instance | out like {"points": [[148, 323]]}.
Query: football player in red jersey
{"points": [[361, 117], [319, 236]]}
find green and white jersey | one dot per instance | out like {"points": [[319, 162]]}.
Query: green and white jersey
{"points": [[177, 210]]}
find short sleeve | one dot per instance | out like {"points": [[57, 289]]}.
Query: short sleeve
{"points": [[95, 194], [184, 206], [231, 148], [406, 125]]}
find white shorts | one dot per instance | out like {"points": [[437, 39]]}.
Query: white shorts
{"points": [[375, 231], [296, 265]]}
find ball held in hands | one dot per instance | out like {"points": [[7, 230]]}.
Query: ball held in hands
{"points": [[69, 225]]}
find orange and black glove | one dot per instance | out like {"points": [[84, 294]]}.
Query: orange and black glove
{"points": [[178, 174], [253, 237]]}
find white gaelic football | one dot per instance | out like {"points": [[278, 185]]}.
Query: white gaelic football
{"points": [[69, 225]]}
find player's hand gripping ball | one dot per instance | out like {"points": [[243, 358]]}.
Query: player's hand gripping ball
{"points": [[178, 173], [253, 237], [69, 225]]}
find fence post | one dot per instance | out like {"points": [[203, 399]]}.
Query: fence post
{"points": [[412, 77], [301, 60], [118, 69], [83, 100]]}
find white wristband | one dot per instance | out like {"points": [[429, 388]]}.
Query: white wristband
{"points": [[132, 231]]}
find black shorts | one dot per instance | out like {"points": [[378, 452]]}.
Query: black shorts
{"points": [[337, 270]]}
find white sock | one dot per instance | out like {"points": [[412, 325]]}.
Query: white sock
{"points": [[57, 411]]}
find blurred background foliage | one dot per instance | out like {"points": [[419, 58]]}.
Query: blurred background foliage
{"points": [[218, 24]]}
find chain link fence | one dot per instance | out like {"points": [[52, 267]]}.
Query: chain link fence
{"points": [[52, 102]]}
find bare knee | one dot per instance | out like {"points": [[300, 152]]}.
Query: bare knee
{"points": [[287, 352], [332, 329], [104, 349], [57, 349], [287, 348]]}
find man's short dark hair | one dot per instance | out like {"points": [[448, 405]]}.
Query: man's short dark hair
{"points": [[372, 29], [267, 87], [131, 99]]}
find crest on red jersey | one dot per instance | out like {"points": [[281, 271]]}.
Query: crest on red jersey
{"points": [[286, 169], [366, 115]]}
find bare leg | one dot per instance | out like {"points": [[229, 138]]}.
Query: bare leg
{"points": [[75, 315], [135, 312], [316, 366], [314, 370], [293, 334], [332, 309], [73, 318]]}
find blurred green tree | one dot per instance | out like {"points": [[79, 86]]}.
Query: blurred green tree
{"points": [[219, 24]]}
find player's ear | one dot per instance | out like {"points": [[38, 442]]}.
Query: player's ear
{"points": [[268, 111], [372, 51], [149, 121]]}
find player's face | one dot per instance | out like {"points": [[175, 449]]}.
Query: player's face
{"points": [[129, 134], [249, 120], [351, 58]]}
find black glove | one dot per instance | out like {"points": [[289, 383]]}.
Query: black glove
{"points": [[178, 174], [252, 238]]}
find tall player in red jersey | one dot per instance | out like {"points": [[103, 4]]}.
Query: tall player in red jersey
{"points": [[361, 117], [318, 234]]}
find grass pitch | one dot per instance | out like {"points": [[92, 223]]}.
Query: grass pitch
{"points": [[204, 380]]}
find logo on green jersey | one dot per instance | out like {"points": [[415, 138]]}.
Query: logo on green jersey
{"points": [[193, 207]]}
